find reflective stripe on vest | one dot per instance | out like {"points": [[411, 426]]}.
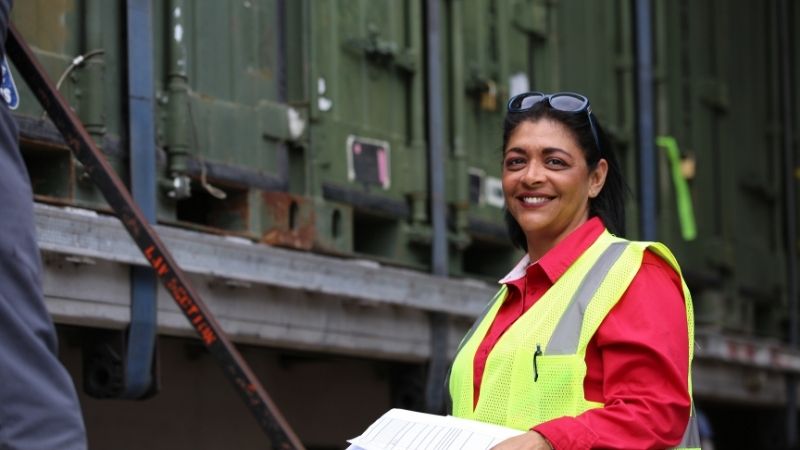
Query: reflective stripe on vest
{"points": [[578, 321], [691, 437], [566, 336]]}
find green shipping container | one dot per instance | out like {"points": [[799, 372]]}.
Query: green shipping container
{"points": [[718, 97], [79, 44], [367, 149], [221, 110]]}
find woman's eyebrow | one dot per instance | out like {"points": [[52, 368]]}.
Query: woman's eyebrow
{"points": [[551, 150], [547, 151], [556, 151], [518, 150]]}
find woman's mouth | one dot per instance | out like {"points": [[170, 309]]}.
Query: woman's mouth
{"points": [[535, 200]]}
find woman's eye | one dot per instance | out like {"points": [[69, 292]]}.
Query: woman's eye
{"points": [[514, 162], [555, 162]]}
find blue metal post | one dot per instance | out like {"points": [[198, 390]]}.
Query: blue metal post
{"points": [[782, 16], [142, 148], [645, 119], [437, 369]]}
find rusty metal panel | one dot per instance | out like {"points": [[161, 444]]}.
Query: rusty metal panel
{"points": [[288, 220]]}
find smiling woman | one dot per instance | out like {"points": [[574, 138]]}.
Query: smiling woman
{"points": [[588, 343], [547, 182]]}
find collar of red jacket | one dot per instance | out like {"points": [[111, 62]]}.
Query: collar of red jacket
{"points": [[558, 259]]}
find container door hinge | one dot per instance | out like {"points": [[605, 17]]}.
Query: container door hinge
{"points": [[382, 52], [282, 122], [530, 16]]}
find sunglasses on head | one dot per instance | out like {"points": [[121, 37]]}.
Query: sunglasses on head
{"points": [[562, 101]]}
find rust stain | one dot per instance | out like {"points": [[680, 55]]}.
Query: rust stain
{"points": [[280, 230]]}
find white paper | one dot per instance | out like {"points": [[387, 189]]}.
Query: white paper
{"points": [[400, 429]]}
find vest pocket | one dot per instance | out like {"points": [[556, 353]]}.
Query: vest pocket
{"points": [[557, 392]]}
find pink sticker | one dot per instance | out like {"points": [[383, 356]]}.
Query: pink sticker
{"points": [[383, 167]]}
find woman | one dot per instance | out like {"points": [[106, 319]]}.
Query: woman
{"points": [[588, 343]]}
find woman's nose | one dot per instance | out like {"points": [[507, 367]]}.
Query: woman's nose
{"points": [[534, 173]]}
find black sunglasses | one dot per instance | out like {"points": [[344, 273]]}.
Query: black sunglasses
{"points": [[561, 101]]}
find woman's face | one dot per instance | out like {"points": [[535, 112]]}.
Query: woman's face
{"points": [[547, 182]]}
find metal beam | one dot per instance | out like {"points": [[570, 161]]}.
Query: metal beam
{"points": [[437, 369], [260, 294], [645, 122], [142, 151], [84, 233]]}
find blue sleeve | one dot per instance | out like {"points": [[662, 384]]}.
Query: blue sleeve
{"points": [[39, 407]]}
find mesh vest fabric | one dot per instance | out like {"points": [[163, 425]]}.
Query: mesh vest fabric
{"points": [[523, 387]]}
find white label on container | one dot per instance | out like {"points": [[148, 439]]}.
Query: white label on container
{"points": [[518, 84], [494, 192]]}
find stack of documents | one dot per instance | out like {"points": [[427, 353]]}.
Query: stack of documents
{"points": [[400, 429]]}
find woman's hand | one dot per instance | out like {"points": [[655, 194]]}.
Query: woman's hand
{"points": [[528, 441]]}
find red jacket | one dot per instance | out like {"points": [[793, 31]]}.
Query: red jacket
{"points": [[637, 362]]}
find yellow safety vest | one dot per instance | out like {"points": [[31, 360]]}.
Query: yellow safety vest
{"points": [[535, 371]]}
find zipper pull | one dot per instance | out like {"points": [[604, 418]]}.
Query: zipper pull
{"points": [[535, 367]]}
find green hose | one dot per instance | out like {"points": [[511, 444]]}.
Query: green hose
{"points": [[682, 196]]}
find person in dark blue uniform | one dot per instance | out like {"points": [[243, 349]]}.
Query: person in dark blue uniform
{"points": [[39, 408]]}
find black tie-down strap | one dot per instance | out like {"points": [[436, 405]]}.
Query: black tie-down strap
{"points": [[175, 281]]}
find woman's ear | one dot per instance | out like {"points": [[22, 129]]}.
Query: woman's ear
{"points": [[597, 178]]}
